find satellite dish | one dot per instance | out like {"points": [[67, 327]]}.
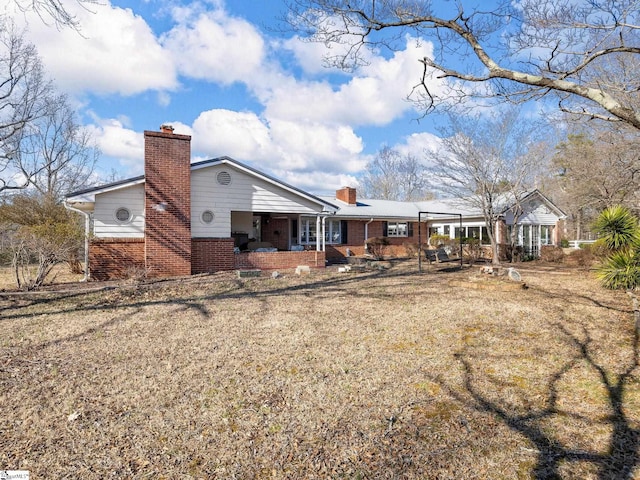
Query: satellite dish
{"points": [[514, 275]]}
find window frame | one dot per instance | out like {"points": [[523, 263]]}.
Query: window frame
{"points": [[399, 229]]}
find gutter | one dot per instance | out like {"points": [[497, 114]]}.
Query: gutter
{"points": [[87, 226]]}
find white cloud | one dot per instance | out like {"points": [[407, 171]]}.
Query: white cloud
{"points": [[284, 148], [375, 96], [309, 146], [214, 46], [320, 183], [123, 146], [312, 56], [240, 135], [115, 53], [418, 143]]}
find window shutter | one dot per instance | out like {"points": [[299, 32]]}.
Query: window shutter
{"points": [[410, 229], [385, 229], [343, 232]]}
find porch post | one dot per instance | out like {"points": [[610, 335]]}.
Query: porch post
{"points": [[318, 233], [324, 237]]}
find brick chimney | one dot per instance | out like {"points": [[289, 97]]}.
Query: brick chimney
{"points": [[167, 170], [347, 195]]}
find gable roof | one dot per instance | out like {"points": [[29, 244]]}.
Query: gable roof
{"points": [[88, 195]]}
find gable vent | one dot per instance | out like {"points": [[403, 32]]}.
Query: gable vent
{"points": [[224, 178]]}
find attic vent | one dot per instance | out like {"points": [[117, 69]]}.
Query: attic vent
{"points": [[207, 217], [123, 215], [224, 178]]}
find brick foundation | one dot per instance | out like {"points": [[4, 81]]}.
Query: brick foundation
{"points": [[116, 258]]}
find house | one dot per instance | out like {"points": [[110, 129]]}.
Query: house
{"points": [[183, 218], [538, 224]]}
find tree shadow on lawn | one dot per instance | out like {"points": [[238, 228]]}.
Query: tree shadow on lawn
{"points": [[135, 297], [129, 296], [622, 454]]}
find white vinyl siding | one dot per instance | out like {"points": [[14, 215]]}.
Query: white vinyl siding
{"points": [[105, 223], [535, 213], [244, 193]]}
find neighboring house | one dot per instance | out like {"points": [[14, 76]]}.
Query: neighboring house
{"points": [[184, 218]]}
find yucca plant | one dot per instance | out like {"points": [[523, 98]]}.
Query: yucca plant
{"points": [[620, 271], [620, 233], [618, 228]]}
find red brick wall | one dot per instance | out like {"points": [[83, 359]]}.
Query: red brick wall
{"points": [[167, 204], [356, 238], [279, 240], [116, 258], [279, 260], [212, 255]]}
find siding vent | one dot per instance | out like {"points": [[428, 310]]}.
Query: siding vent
{"points": [[207, 217], [224, 178], [123, 215]]}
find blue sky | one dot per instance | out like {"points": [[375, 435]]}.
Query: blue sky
{"points": [[218, 71]]}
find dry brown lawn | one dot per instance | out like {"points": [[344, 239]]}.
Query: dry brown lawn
{"points": [[380, 374]]}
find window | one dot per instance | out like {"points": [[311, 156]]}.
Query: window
{"points": [[397, 229], [207, 217], [332, 231], [123, 215], [479, 233], [485, 236], [473, 232], [546, 234], [308, 231]]}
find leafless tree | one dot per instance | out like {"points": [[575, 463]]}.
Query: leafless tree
{"points": [[24, 95], [54, 11], [56, 153], [393, 176], [488, 164], [585, 53], [597, 169]]}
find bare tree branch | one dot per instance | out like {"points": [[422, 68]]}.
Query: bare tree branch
{"points": [[523, 50], [54, 11]]}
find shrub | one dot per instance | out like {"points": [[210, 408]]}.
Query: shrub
{"points": [[411, 249], [439, 240], [581, 258], [618, 228], [376, 246], [620, 271], [513, 253], [564, 243], [550, 253], [620, 236], [473, 249]]}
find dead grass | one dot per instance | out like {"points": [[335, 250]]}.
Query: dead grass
{"points": [[382, 374], [60, 274]]}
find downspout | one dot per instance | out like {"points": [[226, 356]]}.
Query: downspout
{"points": [[87, 226], [366, 233]]}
